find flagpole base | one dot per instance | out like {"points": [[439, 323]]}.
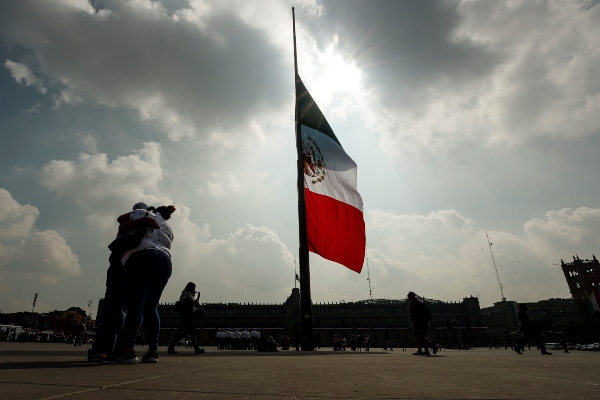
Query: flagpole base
{"points": [[306, 325]]}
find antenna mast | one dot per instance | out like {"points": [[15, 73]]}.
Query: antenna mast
{"points": [[34, 301], [369, 279], [496, 268]]}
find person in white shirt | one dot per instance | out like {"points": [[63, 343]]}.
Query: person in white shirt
{"points": [[148, 268], [255, 336], [236, 336], [219, 340], [245, 336], [228, 335]]}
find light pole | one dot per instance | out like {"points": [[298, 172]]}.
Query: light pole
{"points": [[459, 337]]}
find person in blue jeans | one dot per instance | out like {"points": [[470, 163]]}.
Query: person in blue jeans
{"points": [[147, 270], [110, 322]]}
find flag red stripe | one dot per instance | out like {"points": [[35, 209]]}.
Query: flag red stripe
{"points": [[336, 230]]}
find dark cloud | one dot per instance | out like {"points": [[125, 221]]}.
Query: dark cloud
{"points": [[404, 48], [188, 77]]}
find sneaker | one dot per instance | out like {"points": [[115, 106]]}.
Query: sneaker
{"points": [[121, 358], [547, 354], [435, 349], [94, 357], [199, 351], [518, 351], [172, 351], [150, 357], [427, 353], [418, 353]]}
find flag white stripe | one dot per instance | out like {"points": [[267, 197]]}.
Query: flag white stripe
{"points": [[339, 180]]}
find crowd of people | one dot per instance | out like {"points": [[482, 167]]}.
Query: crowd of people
{"points": [[356, 343], [139, 269], [238, 339]]}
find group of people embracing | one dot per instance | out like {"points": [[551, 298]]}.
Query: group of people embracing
{"points": [[140, 267]]}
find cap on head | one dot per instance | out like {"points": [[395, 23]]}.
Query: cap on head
{"points": [[140, 206]]}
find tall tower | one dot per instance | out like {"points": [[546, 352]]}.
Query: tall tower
{"points": [[582, 276]]}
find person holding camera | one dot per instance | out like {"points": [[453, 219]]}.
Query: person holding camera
{"points": [[189, 310]]}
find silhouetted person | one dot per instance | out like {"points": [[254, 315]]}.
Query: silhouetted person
{"points": [[189, 308], [529, 332], [420, 316], [563, 343], [111, 321], [80, 332]]}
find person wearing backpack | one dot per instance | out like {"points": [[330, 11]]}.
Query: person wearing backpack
{"points": [[420, 316]]}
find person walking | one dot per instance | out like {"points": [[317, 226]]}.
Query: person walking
{"points": [[148, 268], [189, 309], [529, 331], [563, 343], [420, 315], [80, 332]]}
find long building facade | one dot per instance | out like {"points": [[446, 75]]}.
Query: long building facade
{"points": [[552, 315], [453, 323]]}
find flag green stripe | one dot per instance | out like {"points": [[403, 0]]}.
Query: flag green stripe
{"points": [[310, 114]]}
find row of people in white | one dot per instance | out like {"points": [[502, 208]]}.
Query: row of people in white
{"points": [[236, 339]]}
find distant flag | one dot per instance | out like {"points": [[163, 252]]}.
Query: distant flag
{"points": [[297, 278], [334, 208]]}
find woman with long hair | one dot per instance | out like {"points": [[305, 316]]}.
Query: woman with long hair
{"points": [[189, 309]]}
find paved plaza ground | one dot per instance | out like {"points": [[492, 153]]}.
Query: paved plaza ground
{"points": [[50, 371]]}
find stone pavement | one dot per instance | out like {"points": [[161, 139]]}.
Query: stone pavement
{"points": [[58, 371]]}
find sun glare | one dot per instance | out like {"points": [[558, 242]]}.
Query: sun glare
{"points": [[338, 75]]}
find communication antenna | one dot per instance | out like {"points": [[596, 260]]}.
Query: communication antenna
{"points": [[34, 301], [369, 279], [496, 268]]}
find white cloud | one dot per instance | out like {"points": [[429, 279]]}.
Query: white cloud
{"points": [[23, 75], [28, 255], [208, 82], [16, 221], [247, 263], [103, 188], [229, 183], [443, 252]]}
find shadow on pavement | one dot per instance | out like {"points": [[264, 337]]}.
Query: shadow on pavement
{"points": [[47, 364]]}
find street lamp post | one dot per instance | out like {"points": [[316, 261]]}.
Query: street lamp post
{"points": [[459, 337]]}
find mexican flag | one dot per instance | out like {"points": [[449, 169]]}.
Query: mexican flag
{"points": [[334, 209]]}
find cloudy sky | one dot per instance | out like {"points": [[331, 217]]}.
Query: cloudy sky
{"points": [[463, 117]]}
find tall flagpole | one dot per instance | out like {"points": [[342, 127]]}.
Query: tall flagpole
{"points": [[306, 321]]}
